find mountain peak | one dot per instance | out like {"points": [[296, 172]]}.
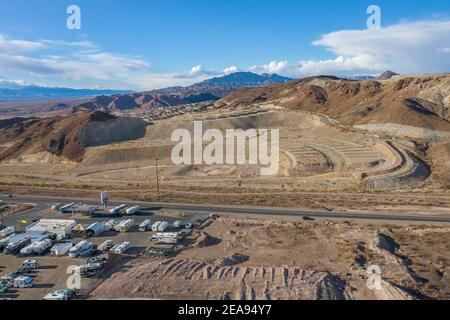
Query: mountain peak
{"points": [[244, 79], [387, 75]]}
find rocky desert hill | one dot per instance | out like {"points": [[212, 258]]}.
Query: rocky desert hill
{"points": [[68, 136], [208, 90], [417, 101]]}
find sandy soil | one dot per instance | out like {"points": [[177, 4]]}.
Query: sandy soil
{"points": [[264, 259]]}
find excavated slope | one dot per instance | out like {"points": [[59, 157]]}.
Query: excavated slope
{"points": [[67, 136]]}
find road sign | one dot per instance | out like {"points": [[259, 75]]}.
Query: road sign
{"points": [[104, 197]]}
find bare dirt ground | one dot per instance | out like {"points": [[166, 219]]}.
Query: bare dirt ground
{"points": [[266, 259]]}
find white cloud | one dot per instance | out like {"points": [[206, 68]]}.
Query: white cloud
{"points": [[14, 84], [12, 45], [230, 69], [272, 67], [444, 50], [408, 47]]}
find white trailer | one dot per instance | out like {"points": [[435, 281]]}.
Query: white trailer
{"points": [[111, 225], [4, 242], [106, 246], [122, 248], [117, 209], [155, 226], [61, 249], [16, 245], [125, 226], [59, 227], [160, 235], [82, 249], [95, 229], [167, 240], [132, 210], [163, 226], [37, 248], [6, 232], [145, 226]]}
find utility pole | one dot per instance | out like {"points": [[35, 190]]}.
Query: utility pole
{"points": [[157, 179]]}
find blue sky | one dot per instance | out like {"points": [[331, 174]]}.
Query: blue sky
{"points": [[146, 44]]}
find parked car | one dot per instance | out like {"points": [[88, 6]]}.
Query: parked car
{"points": [[23, 282], [24, 270], [66, 294], [4, 289], [31, 263], [10, 276], [6, 283]]}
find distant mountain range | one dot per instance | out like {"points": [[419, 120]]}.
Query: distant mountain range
{"points": [[28, 93], [365, 77], [208, 90]]}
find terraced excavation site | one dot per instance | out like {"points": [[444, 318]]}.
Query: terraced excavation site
{"points": [[316, 155], [336, 153]]}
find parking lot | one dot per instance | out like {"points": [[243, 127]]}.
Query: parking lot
{"points": [[53, 272]]}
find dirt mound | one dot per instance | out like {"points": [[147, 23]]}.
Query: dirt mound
{"points": [[232, 260], [205, 240], [67, 136], [421, 101], [198, 279]]}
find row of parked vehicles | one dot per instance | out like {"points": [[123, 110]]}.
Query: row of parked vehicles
{"points": [[20, 278]]}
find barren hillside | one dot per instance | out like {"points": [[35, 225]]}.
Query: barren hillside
{"points": [[422, 101], [67, 136]]}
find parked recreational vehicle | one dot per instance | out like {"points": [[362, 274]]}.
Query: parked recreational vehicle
{"points": [[163, 226], [125, 225], [95, 229], [106, 246], [117, 209], [155, 226], [122, 248], [6, 232], [4, 242], [15, 246], [167, 240], [37, 248], [132, 210], [61, 249], [145, 226], [82, 249], [111, 225]]}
